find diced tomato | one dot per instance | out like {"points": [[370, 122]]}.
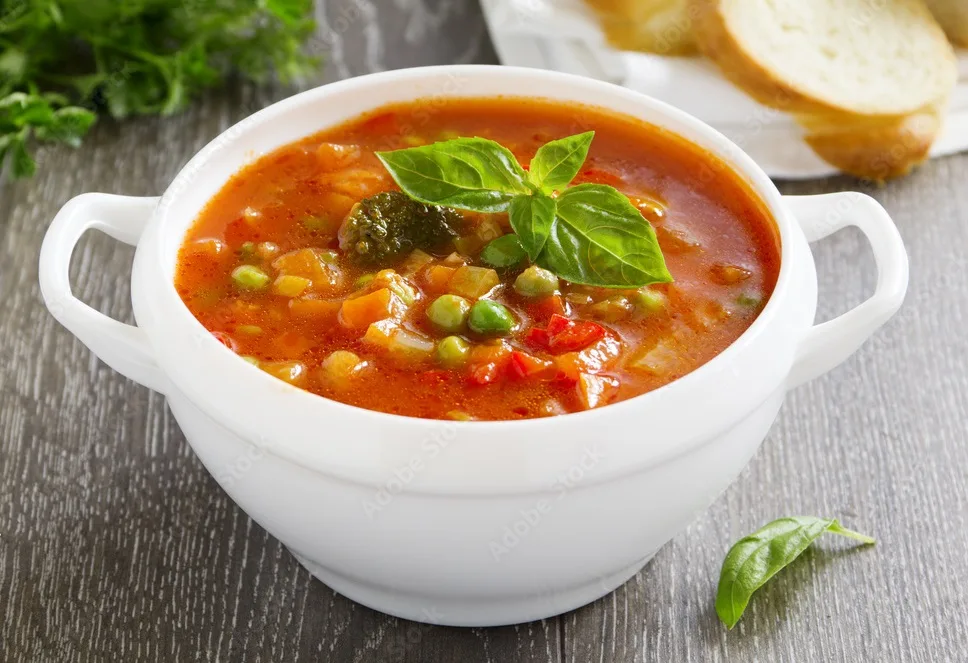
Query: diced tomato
{"points": [[226, 340], [524, 365], [564, 335], [488, 373]]}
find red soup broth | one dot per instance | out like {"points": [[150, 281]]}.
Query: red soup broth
{"points": [[278, 219]]}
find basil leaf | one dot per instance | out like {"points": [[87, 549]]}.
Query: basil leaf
{"points": [[599, 238], [503, 252], [531, 218], [556, 163], [21, 163], [473, 174], [756, 558]]}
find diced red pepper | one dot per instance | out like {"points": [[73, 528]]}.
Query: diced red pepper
{"points": [[488, 373], [564, 335], [525, 366], [577, 337], [557, 324], [538, 338]]}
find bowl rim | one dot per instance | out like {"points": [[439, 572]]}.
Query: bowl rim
{"points": [[699, 134]]}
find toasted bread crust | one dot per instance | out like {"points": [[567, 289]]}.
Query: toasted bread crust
{"points": [[871, 146], [878, 151]]}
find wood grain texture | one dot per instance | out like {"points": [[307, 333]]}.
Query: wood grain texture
{"points": [[116, 545]]}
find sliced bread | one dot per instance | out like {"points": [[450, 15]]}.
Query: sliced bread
{"points": [[651, 26], [953, 17], [869, 83]]}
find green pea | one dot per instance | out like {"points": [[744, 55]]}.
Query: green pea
{"points": [[452, 351], [490, 317], [248, 277], [649, 300], [535, 282], [504, 252], [449, 312]]}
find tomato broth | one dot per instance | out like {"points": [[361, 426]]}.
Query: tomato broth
{"points": [[264, 269]]}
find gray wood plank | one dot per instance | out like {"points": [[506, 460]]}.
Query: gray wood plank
{"points": [[115, 544]]}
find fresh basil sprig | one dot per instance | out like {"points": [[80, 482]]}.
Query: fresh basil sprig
{"points": [[756, 558], [589, 234]]}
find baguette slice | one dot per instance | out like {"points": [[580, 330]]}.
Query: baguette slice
{"points": [[652, 26], [868, 85], [953, 17]]}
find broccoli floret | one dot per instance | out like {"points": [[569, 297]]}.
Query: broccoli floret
{"points": [[383, 228]]}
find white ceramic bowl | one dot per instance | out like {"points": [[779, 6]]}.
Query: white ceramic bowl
{"points": [[465, 523]]}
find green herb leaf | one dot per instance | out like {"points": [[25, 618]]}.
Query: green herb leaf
{"points": [[531, 218], [599, 238], [135, 57], [756, 558], [504, 252], [556, 163], [21, 163], [474, 174]]}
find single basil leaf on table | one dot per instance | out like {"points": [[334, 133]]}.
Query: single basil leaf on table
{"points": [[599, 238], [556, 163], [473, 174], [756, 558], [21, 163], [531, 219]]}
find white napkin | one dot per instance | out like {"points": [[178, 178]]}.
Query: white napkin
{"points": [[563, 35]]}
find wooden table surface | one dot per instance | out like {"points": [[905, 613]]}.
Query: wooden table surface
{"points": [[116, 545]]}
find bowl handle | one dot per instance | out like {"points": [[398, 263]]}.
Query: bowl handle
{"points": [[828, 344], [123, 347]]}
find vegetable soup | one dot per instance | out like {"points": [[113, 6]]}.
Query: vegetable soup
{"points": [[481, 259]]}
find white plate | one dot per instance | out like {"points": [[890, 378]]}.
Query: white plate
{"points": [[563, 35]]}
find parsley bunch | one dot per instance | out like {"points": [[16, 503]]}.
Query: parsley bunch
{"points": [[63, 61]]}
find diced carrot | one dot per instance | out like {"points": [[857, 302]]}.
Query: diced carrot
{"points": [[362, 311], [568, 366], [380, 333], [437, 277], [315, 309], [596, 390], [526, 366]]}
